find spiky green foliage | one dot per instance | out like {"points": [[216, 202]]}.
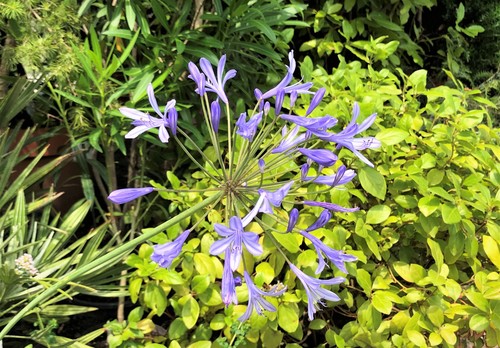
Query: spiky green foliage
{"points": [[38, 35]]}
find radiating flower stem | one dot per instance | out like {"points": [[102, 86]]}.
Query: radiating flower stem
{"points": [[196, 162]]}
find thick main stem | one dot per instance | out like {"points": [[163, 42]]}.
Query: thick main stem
{"points": [[117, 253]]}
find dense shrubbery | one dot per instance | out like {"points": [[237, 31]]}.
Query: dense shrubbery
{"points": [[426, 235]]}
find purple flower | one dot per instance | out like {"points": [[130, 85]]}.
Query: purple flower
{"points": [[266, 200], [286, 80], [304, 169], [331, 206], [292, 219], [314, 292], [267, 107], [290, 139], [255, 299], [317, 125], [164, 254], [346, 137], [228, 291], [172, 120], [215, 114], [341, 177], [293, 98], [318, 96], [262, 165], [248, 129], [129, 194], [284, 84], [234, 241], [197, 77], [216, 84], [280, 96], [323, 157], [322, 220], [337, 257], [144, 122]]}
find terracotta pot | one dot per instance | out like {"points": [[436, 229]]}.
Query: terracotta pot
{"points": [[65, 179]]}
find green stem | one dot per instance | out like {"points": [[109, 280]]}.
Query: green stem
{"points": [[118, 252]]}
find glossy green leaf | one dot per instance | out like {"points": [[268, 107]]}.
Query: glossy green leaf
{"points": [[428, 205], [377, 214], [288, 319], [373, 182], [190, 313], [436, 253], [290, 242], [478, 322], [491, 249], [381, 303], [392, 136], [450, 213], [416, 338]]}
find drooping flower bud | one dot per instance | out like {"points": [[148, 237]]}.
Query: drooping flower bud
{"points": [[215, 114]]}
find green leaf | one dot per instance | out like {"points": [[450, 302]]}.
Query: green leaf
{"points": [[490, 246], [290, 242], [135, 315], [381, 303], [392, 136], [177, 329], [200, 344], [377, 214], [435, 315], [200, 283], [218, 323], [271, 338], [134, 289], [204, 265], [364, 280], [288, 319], [155, 298], [65, 310], [418, 80], [479, 323], [411, 273], [450, 213], [264, 274], [317, 324], [428, 205], [416, 338], [436, 253], [264, 28], [373, 182], [174, 181], [460, 13], [190, 313]]}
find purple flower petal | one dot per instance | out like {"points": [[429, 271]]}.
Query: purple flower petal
{"points": [[323, 157], [331, 206], [164, 254], [318, 96], [228, 286], [256, 300], [292, 219], [322, 220], [314, 292], [129, 194], [248, 129], [215, 115]]}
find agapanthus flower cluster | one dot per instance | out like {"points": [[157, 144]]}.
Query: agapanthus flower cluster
{"points": [[269, 155]]}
